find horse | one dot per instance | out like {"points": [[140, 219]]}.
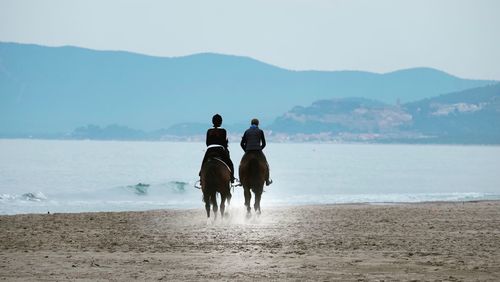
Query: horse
{"points": [[253, 172], [215, 177]]}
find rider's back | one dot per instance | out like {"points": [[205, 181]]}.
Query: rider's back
{"points": [[253, 139], [216, 136]]}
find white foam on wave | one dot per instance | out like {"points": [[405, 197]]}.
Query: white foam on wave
{"points": [[141, 196], [29, 196], [383, 198], [166, 195]]}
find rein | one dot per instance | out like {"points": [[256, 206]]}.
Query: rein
{"points": [[197, 184], [220, 160]]}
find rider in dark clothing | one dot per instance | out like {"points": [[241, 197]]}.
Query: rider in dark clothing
{"points": [[217, 144], [253, 140]]}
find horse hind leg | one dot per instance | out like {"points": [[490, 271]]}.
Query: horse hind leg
{"points": [[215, 208], [222, 205], [256, 205], [206, 199], [228, 199], [248, 197]]}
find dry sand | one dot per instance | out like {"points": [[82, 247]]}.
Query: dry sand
{"points": [[432, 241]]}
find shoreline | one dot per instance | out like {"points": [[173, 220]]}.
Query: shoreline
{"points": [[276, 206], [415, 241]]}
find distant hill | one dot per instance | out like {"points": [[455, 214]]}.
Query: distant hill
{"points": [[50, 90], [354, 115], [470, 116]]}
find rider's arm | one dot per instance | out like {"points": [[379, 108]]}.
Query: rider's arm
{"points": [[206, 139], [263, 139], [225, 143], [243, 142]]}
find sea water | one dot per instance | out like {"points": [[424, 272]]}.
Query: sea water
{"points": [[40, 176]]}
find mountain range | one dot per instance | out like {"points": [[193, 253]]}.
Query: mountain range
{"points": [[77, 92]]}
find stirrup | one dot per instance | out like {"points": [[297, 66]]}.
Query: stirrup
{"points": [[197, 184], [269, 182]]}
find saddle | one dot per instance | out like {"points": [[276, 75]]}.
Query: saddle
{"points": [[259, 155], [216, 156]]}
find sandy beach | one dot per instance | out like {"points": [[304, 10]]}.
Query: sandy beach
{"points": [[429, 241]]}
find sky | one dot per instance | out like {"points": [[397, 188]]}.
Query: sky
{"points": [[461, 37]]}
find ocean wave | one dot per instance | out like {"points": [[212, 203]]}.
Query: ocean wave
{"points": [[383, 198], [139, 189], [30, 196], [144, 189], [174, 194]]}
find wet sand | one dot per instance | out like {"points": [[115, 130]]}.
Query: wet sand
{"points": [[431, 241]]}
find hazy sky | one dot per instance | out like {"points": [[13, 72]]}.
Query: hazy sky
{"points": [[457, 36]]}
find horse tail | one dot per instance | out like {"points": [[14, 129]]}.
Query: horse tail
{"points": [[214, 178], [255, 174], [253, 168], [208, 173]]}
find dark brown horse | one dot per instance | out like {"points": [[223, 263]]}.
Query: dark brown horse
{"points": [[253, 173], [215, 177]]}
